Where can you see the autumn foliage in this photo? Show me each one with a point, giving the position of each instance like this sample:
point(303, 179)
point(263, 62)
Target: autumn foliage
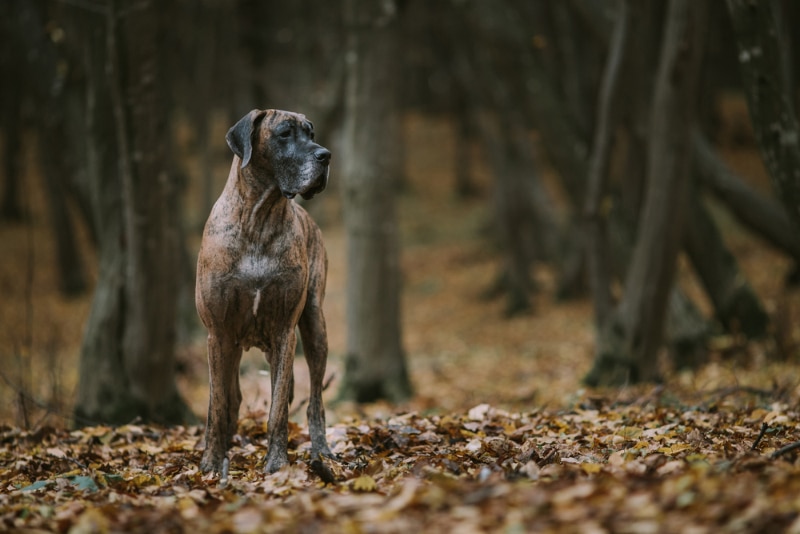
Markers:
point(646, 464)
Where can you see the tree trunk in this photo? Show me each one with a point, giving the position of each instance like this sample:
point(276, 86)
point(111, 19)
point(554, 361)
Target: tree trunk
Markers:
point(640, 68)
point(736, 305)
point(687, 331)
point(11, 208)
point(760, 213)
point(128, 359)
point(516, 188)
point(771, 108)
point(525, 220)
point(597, 181)
point(628, 345)
point(375, 365)
point(11, 68)
point(102, 389)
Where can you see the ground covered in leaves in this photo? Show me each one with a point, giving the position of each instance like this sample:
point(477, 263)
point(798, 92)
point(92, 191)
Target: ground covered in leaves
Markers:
point(500, 435)
point(645, 465)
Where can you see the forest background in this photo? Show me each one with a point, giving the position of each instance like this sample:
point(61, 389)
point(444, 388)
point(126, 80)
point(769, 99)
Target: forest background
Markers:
point(582, 220)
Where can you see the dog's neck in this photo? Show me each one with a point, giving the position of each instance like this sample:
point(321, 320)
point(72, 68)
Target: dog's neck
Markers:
point(256, 200)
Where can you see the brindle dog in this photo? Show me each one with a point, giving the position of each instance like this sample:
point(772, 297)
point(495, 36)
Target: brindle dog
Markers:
point(260, 273)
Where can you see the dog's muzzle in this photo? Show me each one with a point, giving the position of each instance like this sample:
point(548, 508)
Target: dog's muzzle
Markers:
point(318, 186)
point(320, 182)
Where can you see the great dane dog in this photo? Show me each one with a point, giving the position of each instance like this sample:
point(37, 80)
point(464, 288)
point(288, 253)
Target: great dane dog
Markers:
point(260, 274)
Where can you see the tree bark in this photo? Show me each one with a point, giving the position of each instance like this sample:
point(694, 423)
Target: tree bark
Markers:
point(11, 209)
point(771, 108)
point(102, 389)
point(760, 213)
point(628, 345)
point(640, 68)
point(128, 356)
point(12, 68)
point(375, 366)
point(736, 305)
point(597, 182)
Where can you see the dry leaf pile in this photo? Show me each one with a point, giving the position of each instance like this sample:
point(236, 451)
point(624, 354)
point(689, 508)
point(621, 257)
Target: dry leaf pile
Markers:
point(640, 467)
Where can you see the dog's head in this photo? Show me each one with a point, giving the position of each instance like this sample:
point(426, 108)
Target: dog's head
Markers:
point(280, 145)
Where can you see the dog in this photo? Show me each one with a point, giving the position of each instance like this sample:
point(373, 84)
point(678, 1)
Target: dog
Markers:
point(261, 274)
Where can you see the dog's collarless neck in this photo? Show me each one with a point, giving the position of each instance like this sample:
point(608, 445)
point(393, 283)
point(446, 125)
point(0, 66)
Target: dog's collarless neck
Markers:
point(257, 202)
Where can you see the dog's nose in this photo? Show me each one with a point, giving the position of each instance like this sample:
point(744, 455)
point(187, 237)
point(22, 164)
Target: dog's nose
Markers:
point(323, 155)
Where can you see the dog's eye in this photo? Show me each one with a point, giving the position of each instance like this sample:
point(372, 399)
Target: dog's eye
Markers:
point(285, 134)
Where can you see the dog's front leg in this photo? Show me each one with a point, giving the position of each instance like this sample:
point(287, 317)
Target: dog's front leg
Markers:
point(224, 399)
point(281, 368)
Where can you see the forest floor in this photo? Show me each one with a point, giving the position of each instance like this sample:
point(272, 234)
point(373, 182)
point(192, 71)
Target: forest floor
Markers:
point(500, 436)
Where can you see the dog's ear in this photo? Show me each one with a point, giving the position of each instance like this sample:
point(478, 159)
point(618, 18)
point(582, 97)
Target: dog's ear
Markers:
point(240, 136)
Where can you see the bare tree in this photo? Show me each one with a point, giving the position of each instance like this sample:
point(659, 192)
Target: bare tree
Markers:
point(759, 212)
point(596, 190)
point(736, 305)
point(375, 362)
point(127, 359)
point(628, 344)
point(766, 80)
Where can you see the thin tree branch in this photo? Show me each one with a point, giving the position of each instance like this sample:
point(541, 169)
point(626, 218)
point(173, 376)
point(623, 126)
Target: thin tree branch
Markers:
point(784, 450)
point(752, 208)
point(764, 427)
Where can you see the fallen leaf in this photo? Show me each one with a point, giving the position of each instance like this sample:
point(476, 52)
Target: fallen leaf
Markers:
point(364, 483)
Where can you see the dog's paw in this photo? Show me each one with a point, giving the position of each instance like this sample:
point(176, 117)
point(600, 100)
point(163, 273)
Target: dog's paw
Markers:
point(317, 453)
point(211, 462)
point(275, 461)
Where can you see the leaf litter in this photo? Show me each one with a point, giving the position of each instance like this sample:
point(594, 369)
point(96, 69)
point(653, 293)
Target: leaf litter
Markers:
point(601, 466)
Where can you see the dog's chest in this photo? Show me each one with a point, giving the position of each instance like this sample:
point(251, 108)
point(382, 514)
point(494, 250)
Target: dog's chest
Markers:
point(269, 293)
point(271, 279)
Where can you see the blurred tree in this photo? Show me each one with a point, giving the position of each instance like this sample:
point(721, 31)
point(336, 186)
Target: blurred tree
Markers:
point(375, 366)
point(12, 68)
point(628, 344)
point(43, 77)
point(488, 73)
point(735, 303)
point(757, 211)
point(597, 201)
point(128, 356)
point(767, 80)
